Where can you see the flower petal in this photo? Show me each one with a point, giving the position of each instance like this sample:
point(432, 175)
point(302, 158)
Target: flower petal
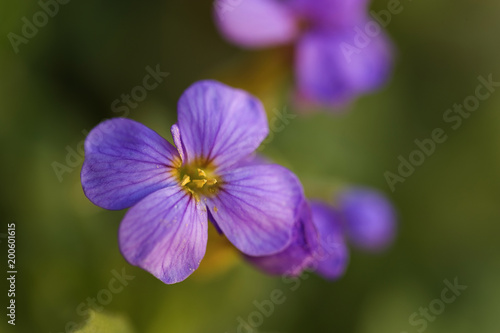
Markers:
point(124, 162)
point(332, 255)
point(165, 234)
point(296, 256)
point(176, 136)
point(255, 23)
point(257, 207)
point(369, 218)
point(332, 69)
point(330, 13)
point(220, 124)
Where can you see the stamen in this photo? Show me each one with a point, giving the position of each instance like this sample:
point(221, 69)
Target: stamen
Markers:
point(211, 182)
point(199, 182)
point(201, 173)
point(185, 180)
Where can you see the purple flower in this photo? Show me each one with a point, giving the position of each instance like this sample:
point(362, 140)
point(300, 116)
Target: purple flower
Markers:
point(362, 216)
point(173, 191)
point(339, 54)
point(318, 244)
point(298, 255)
point(332, 255)
point(369, 218)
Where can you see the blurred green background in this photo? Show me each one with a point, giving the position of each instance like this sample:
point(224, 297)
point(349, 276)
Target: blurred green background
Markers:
point(62, 82)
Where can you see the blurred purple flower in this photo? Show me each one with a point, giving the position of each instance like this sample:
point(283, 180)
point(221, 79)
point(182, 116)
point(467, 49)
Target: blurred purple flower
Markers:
point(335, 58)
point(362, 216)
point(318, 245)
point(332, 255)
point(369, 218)
point(298, 255)
point(174, 190)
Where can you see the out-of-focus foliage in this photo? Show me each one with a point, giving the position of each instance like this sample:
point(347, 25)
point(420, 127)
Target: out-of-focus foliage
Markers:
point(105, 323)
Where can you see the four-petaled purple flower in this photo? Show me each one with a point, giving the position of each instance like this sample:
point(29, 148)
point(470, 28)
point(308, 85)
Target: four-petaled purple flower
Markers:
point(335, 59)
point(208, 175)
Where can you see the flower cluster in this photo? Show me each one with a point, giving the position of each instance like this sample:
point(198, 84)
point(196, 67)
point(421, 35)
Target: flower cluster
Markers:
point(362, 217)
point(334, 59)
point(212, 175)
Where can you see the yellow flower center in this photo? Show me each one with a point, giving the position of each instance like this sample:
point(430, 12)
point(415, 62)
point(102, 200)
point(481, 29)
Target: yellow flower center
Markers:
point(199, 179)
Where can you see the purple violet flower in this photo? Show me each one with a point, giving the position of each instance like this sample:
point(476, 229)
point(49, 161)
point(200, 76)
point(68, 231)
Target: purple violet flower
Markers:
point(362, 216)
point(298, 255)
point(318, 245)
point(332, 256)
point(339, 52)
point(172, 191)
point(369, 218)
